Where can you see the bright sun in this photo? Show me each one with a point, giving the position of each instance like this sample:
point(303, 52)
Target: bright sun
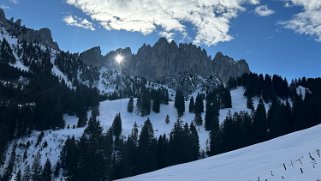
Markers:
point(119, 58)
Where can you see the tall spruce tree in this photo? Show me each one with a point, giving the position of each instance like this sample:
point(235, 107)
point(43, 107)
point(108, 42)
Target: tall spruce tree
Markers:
point(69, 158)
point(82, 120)
point(92, 158)
point(179, 103)
point(117, 126)
point(36, 167)
point(156, 101)
point(195, 142)
point(146, 149)
point(162, 151)
point(249, 102)
point(198, 119)
point(167, 120)
point(18, 176)
point(130, 152)
point(9, 169)
point(130, 106)
point(46, 174)
point(212, 112)
point(26, 174)
point(191, 105)
point(226, 98)
point(199, 104)
point(145, 102)
point(260, 122)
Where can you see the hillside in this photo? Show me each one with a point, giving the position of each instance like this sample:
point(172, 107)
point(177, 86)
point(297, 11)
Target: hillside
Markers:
point(108, 110)
point(253, 163)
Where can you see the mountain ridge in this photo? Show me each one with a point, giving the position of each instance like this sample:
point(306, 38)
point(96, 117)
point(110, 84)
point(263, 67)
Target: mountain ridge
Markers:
point(166, 59)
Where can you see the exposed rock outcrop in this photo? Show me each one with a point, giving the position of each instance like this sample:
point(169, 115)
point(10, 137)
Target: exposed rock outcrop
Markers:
point(166, 60)
point(226, 67)
point(41, 36)
point(92, 57)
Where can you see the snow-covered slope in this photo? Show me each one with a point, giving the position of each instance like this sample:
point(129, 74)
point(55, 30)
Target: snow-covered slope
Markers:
point(108, 111)
point(262, 161)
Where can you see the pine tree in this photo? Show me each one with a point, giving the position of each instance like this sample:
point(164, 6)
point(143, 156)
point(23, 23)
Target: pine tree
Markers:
point(146, 149)
point(179, 103)
point(18, 176)
point(259, 122)
point(215, 142)
point(57, 169)
point(167, 120)
point(199, 104)
point(195, 142)
point(82, 120)
point(92, 158)
point(156, 102)
point(212, 112)
point(162, 151)
point(226, 98)
point(191, 105)
point(46, 172)
point(26, 174)
point(36, 168)
point(9, 169)
point(144, 103)
point(166, 97)
point(198, 119)
point(69, 158)
point(249, 102)
point(130, 152)
point(117, 126)
point(130, 106)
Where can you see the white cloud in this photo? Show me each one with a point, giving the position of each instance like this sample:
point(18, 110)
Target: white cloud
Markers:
point(168, 35)
point(210, 18)
point(78, 22)
point(307, 22)
point(264, 10)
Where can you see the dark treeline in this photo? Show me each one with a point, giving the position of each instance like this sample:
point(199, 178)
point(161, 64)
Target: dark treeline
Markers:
point(283, 116)
point(107, 156)
point(265, 86)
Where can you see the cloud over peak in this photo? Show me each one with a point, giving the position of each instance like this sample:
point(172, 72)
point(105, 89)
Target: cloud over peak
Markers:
point(78, 22)
point(210, 19)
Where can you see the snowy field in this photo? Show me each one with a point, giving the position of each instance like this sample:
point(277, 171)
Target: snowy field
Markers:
point(263, 161)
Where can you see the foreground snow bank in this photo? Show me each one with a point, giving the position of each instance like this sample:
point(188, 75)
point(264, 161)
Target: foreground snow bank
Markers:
point(262, 161)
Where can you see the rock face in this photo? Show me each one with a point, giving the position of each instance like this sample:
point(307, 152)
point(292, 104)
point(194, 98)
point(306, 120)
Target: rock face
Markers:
point(166, 60)
point(2, 15)
point(225, 67)
point(92, 57)
point(42, 36)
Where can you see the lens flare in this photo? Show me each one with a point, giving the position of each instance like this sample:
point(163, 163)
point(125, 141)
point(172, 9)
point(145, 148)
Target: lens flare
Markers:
point(119, 58)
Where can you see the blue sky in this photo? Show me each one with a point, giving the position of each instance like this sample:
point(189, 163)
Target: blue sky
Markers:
point(275, 36)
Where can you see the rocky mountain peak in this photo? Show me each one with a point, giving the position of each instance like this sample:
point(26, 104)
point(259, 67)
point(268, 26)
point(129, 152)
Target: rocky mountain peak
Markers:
point(226, 67)
point(2, 15)
point(41, 36)
point(92, 57)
